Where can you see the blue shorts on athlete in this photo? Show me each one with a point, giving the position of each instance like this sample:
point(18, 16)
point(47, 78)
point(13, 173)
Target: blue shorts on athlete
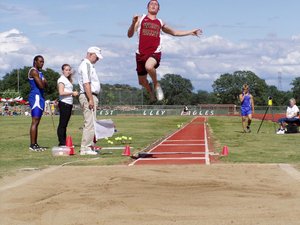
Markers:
point(246, 111)
point(37, 105)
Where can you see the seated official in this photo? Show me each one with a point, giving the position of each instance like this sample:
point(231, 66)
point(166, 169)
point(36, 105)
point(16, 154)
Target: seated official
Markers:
point(185, 109)
point(292, 113)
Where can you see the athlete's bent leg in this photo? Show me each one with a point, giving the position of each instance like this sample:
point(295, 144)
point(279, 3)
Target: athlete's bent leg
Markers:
point(249, 119)
point(144, 82)
point(150, 67)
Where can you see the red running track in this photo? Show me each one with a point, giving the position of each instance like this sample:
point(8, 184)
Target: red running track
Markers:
point(189, 145)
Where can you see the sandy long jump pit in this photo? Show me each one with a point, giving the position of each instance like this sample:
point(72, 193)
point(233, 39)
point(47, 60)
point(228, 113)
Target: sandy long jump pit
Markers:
point(213, 195)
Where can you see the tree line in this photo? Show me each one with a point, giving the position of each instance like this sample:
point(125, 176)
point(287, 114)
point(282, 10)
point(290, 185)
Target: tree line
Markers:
point(178, 90)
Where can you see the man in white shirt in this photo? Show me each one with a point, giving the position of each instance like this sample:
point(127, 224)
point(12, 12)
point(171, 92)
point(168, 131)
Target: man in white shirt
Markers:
point(292, 115)
point(89, 89)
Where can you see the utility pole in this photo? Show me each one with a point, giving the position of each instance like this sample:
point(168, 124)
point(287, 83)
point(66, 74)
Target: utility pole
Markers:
point(279, 80)
point(18, 76)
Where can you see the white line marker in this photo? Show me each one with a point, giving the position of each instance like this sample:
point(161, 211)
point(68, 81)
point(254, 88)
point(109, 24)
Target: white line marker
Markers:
point(29, 178)
point(185, 140)
point(174, 153)
point(181, 144)
point(160, 159)
point(207, 160)
point(291, 171)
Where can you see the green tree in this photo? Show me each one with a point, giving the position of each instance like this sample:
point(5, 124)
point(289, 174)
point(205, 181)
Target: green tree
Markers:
point(51, 91)
point(279, 97)
point(204, 97)
point(228, 87)
point(10, 82)
point(120, 94)
point(177, 90)
point(296, 88)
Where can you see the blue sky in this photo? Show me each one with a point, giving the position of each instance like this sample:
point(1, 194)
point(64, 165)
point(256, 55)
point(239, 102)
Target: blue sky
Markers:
point(262, 36)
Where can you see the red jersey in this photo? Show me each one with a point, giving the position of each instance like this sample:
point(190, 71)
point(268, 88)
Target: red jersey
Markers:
point(149, 36)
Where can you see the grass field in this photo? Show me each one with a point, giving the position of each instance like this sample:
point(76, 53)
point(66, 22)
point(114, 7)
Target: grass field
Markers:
point(14, 134)
point(265, 147)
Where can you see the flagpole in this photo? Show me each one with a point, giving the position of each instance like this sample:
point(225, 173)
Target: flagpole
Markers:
point(18, 75)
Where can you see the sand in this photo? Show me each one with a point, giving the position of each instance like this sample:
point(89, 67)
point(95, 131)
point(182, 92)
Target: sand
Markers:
point(211, 195)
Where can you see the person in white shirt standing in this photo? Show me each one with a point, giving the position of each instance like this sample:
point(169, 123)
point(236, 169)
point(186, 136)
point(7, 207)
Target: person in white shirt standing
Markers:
point(89, 90)
point(292, 115)
point(65, 104)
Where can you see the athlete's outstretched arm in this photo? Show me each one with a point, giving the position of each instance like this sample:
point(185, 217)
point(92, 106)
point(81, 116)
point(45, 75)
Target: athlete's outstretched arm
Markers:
point(171, 31)
point(133, 26)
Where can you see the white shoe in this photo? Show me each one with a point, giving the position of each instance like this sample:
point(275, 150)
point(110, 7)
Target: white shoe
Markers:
point(280, 131)
point(87, 151)
point(159, 93)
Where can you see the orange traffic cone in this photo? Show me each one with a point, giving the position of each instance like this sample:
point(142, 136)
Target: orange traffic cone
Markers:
point(69, 143)
point(225, 151)
point(126, 151)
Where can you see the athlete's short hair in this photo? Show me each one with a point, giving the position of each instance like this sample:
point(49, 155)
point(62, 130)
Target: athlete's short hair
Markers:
point(153, 1)
point(36, 58)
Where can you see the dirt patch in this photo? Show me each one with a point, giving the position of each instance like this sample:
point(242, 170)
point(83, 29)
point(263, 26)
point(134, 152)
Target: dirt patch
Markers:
point(216, 194)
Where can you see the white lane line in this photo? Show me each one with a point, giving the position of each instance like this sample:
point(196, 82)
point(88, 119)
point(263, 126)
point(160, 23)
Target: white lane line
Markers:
point(160, 159)
point(184, 140)
point(290, 170)
point(29, 178)
point(174, 153)
point(207, 160)
point(38, 174)
point(181, 144)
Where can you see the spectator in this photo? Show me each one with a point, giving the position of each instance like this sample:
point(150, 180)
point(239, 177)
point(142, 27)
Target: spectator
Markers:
point(65, 104)
point(292, 115)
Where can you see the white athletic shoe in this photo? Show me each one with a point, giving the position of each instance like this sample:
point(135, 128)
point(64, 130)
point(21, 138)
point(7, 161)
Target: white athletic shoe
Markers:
point(159, 93)
point(87, 151)
point(280, 131)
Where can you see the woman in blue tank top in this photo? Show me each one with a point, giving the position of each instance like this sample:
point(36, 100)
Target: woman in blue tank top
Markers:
point(247, 108)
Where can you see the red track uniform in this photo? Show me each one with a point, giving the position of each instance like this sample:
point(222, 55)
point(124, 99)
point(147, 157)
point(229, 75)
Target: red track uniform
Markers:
point(149, 43)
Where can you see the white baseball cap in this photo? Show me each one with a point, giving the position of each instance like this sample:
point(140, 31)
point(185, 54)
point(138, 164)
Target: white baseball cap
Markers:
point(95, 50)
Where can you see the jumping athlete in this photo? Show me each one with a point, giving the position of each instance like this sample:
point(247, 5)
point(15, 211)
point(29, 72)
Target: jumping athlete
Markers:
point(36, 100)
point(148, 54)
point(247, 108)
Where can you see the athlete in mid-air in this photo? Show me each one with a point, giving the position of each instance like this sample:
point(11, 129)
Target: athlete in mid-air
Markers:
point(148, 54)
point(36, 100)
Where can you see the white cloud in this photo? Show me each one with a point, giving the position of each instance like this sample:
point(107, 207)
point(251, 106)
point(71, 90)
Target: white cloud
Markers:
point(201, 60)
point(216, 55)
point(12, 41)
point(14, 49)
point(22, 13)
